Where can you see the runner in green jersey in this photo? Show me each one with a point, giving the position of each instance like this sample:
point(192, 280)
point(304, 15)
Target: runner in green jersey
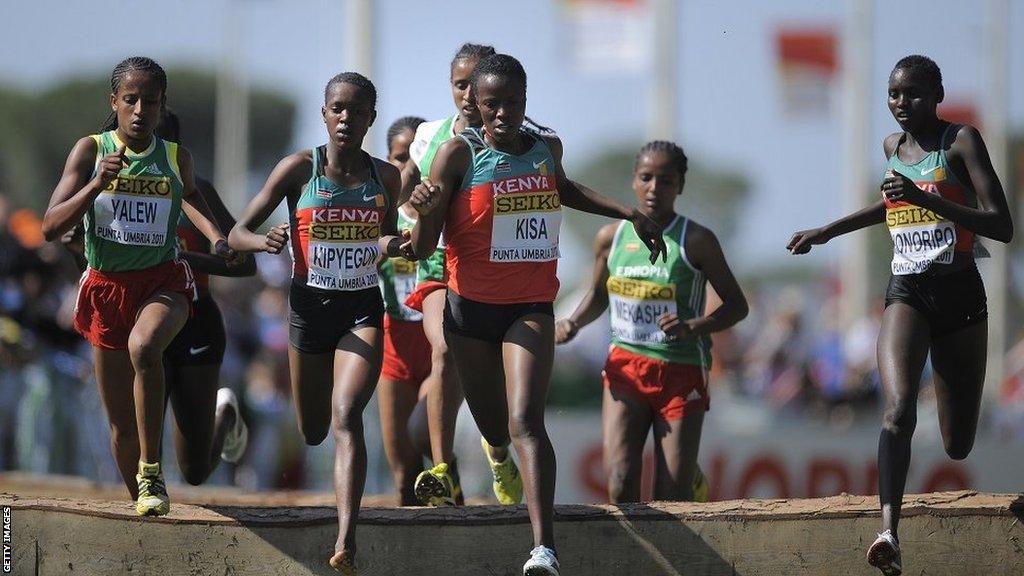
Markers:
point(443, 393)
point(656, 374)
point(129, 187)
point(343, 218)
point(406, 364)
point(939, 191)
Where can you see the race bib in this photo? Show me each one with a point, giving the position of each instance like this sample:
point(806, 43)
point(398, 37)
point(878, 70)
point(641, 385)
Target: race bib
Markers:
point(404, 273)
point(635, 306)
point(527, 219)
point(343, 248)
point(920, 238)
point(133, 210)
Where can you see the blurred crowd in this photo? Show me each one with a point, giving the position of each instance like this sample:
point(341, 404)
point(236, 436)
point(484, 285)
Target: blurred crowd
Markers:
point(791, 356)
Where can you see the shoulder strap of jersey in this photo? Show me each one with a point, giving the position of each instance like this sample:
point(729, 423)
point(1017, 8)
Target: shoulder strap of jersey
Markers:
point(374, 174)
point(318, 159)
point(474, 139)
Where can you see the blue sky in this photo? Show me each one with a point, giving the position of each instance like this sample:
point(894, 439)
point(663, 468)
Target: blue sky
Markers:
point(730, 112)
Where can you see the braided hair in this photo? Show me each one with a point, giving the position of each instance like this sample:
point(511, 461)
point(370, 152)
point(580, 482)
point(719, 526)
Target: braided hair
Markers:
point(355, 79)
point(121, 71)
point(925, 68)
point(671, 148)
point(402, 124)
point(473, 51)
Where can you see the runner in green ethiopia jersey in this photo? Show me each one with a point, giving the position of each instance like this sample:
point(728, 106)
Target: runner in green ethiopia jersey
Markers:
point(443, 394)
point(657, 369)
point(129, 186)
point(343, 218)
point(401, 395)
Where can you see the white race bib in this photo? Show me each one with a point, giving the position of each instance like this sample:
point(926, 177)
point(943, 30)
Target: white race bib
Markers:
point(635, 306)
point(134, 211)
point(920, 238)
point(343, 248)
point(527, 218)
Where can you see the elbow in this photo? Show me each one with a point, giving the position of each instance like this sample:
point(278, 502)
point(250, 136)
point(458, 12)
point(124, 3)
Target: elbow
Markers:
point(1007, 234)
point(233, 239)
point(742, 309)
point(51, 231)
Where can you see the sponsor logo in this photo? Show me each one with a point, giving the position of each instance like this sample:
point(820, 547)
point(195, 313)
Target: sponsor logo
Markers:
point(910, 215)
point(512, 203)
point(940, 173)
point(632, 246)
point(640, 289)
point(344, 232)
point(502, 167)
point(140, 185)
point(195, 351)
point(324, 194)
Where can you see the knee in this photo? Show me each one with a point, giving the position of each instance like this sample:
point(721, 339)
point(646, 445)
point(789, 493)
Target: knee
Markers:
point(347, 419)
point(900, 417)
point(526, 425)
point(123, 435)
point(313, 433)
point(145, 353)
point(958, 449)
point(194, 475)
point(619, 486)
point(439, 354)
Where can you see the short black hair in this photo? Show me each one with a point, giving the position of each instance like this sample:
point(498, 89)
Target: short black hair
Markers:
point(403, 123)
point(498, 65)
point(674, 151)
point(355, 79)
point(923, 66)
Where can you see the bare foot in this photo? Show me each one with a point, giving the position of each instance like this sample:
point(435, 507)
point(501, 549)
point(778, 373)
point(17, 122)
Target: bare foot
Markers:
point(344, 562)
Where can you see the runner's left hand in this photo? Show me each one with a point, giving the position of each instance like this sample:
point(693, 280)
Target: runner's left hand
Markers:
point(672, 326)
point(649, 233)
point(896, 188)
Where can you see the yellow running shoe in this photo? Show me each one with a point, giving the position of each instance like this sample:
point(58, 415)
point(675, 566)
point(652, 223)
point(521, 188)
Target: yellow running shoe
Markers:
point(434, 487)
point(508, 484)
point(701, 488)
point(153, 500)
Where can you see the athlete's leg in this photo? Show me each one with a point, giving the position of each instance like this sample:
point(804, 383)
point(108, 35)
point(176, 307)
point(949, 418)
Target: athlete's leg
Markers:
point(312, 382)
point(528, 350)
point(199, 428)
point(676, 444)
point(115, 378)
point(444, 394)
point(480, 369)
point(959, 363)
point(397, 400)
point(157, 323)
point(418, 427)
point(356, 369)
point(903, 342)
point(625, 421)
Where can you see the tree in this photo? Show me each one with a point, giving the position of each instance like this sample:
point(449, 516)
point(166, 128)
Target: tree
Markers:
point(37, 130)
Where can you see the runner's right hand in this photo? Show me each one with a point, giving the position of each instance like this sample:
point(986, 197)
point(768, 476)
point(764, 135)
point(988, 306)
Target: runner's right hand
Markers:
point(565, 330)
point(802, 241)
point(110, 166)
point(276, 238)
point(424, 197)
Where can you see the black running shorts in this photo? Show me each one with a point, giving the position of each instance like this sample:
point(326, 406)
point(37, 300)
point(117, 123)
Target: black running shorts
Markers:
point(950, 302)
point(318, 319)
point(202, 340)
point(485, 321)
